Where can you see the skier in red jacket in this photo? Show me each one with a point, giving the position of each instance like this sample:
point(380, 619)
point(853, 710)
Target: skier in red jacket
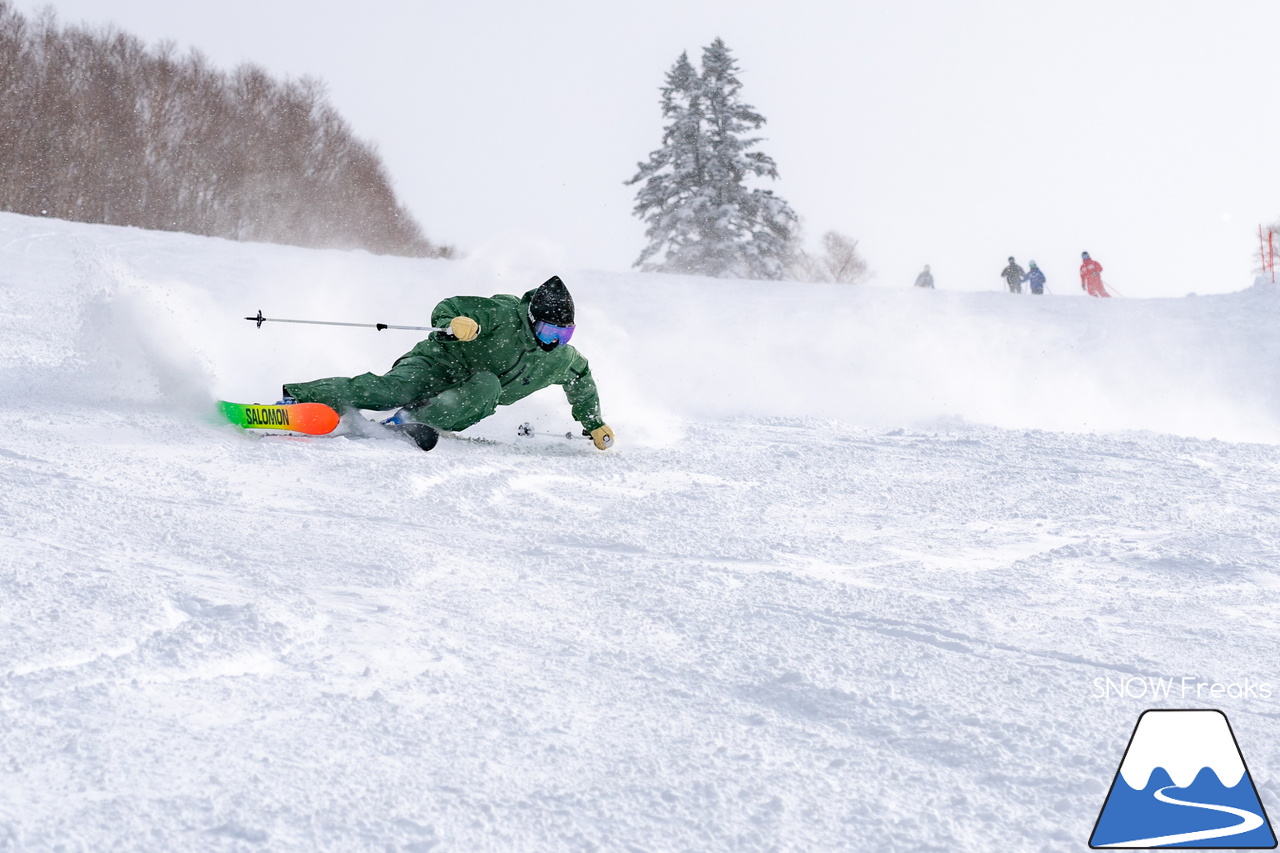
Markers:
point(1091, 277)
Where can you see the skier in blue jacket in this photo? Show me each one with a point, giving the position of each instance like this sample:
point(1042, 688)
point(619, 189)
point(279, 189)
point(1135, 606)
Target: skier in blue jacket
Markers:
point(1036, 277)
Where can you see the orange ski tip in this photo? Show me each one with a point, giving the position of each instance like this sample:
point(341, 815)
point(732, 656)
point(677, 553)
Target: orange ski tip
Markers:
point(316, 418)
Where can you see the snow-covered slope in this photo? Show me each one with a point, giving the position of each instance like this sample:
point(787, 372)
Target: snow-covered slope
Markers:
point(849, 580)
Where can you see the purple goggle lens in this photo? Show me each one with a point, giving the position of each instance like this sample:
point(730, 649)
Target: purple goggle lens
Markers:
point(550, 334)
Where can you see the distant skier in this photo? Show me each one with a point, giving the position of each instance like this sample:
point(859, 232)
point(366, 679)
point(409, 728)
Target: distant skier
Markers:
point(1091, 277)
point(925, 279)
point(1036, 277)
point(494, 352)
point(1013, 275)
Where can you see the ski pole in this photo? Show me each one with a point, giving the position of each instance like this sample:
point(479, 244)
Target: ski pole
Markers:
point(379, 326)
point(527, 430)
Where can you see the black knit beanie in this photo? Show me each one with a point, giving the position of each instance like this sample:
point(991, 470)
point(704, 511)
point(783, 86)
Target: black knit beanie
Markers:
point(552, 303)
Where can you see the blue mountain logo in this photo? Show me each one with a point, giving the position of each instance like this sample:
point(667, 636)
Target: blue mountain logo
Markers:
point(1183, 783)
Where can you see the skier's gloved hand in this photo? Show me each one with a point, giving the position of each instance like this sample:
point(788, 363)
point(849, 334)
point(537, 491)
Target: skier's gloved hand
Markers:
point(464, 328)
point(602, 436)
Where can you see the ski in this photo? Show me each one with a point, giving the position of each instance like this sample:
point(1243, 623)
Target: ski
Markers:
point(303, 418)
point(312, 419)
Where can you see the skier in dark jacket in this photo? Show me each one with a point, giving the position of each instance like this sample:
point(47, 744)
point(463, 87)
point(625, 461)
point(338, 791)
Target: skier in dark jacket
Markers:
point(1013, 275)
point(1036, 277)
point(925, 279)
point(493, 352)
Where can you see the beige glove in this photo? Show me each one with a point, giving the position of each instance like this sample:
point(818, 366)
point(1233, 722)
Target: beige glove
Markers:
point(464, 328)
point(603, 437)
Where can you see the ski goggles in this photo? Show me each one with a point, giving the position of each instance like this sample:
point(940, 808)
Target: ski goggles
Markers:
point(549, 334)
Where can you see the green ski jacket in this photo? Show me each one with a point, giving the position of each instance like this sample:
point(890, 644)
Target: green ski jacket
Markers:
point(505, 348)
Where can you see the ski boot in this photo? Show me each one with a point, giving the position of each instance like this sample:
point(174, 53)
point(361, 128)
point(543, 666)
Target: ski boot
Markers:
point(420, 434)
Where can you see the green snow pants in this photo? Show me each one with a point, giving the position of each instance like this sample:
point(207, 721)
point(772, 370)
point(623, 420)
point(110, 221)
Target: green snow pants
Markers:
point(415, 384)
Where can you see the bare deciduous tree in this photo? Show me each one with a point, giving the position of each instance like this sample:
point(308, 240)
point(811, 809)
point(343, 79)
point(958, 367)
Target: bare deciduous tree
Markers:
point(96, 127)
point(840, 262)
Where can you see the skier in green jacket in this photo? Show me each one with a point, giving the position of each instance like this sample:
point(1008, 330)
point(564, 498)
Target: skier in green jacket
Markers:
point(491, 352)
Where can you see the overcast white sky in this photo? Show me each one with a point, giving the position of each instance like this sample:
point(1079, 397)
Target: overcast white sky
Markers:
point(947, 133)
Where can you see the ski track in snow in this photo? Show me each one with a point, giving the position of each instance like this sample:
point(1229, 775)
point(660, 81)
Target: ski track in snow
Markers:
point(744, 632)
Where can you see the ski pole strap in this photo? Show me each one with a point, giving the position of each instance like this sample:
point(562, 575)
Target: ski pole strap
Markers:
point(259, 320)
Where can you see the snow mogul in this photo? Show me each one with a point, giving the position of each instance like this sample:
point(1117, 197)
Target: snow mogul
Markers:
point(1013, 276)
point(1091, 277)
point(489, 352)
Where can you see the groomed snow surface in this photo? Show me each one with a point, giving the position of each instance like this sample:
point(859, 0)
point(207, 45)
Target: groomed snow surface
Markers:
point(849, 579)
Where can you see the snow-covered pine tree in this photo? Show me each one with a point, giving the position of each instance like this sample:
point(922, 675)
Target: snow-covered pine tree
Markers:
point(669, 198)
point(701, 216)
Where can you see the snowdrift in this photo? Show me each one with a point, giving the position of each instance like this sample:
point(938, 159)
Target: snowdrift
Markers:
point(126, 317)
